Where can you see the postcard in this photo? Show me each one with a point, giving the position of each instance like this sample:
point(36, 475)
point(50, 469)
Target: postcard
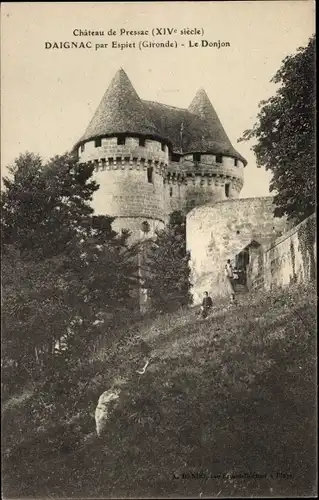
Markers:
point(158, 249)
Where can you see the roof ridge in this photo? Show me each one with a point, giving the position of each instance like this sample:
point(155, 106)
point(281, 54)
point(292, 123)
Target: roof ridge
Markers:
point(122, 111)
point(163, 104)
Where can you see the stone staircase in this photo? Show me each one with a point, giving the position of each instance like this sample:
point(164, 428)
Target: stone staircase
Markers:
point(240, 289)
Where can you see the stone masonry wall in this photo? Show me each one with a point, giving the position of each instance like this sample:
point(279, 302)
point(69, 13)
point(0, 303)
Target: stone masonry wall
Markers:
point(125, 192)
point(219, 231)
point(194, 191)
point(110, 148)
point(189, 184)
point(290, 259)
point(201, 190)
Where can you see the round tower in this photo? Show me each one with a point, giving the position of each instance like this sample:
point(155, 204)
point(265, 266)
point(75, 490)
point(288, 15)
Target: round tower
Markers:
point(204, 166)
point(130, 158)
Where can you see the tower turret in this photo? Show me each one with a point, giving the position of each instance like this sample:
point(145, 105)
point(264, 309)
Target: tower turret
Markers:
point(130, 157)
point(210, 168)
point(204, 167)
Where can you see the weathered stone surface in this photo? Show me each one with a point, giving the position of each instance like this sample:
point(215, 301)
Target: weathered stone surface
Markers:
point(125, 192)
point(217, 232)
point(292, 258)
point(107, 402)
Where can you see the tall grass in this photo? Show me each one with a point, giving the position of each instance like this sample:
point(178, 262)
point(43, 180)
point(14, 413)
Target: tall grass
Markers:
point(222, 400)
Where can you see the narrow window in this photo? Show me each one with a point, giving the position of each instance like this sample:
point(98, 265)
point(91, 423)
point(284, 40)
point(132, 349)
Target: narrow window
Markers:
point(227, 190)
point(163, 146)
point(111, 161)
point(196, 156)
point(236, 162)
point(98, 142)
point(82, 148)
point(171, 191)
point(150, 174)
point(121, 141)
point(141, 142)
point(219, 158)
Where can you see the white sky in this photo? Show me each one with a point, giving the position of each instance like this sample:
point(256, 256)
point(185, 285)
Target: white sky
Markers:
point(49, 96)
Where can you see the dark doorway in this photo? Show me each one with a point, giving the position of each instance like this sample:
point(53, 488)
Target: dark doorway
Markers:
point(242, 261)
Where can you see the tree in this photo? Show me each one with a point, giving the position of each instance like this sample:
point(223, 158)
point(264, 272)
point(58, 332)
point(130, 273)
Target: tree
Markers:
point(167, 267)
point(45, 207)
point(64, 267)
point(285, 135)
point(35, 307)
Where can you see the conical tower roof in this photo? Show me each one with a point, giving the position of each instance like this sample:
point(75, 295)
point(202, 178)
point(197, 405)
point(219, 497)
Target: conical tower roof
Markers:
point(210, 135)
point(120, 111)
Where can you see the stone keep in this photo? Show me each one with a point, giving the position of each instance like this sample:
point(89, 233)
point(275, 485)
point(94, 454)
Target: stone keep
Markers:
point(151, 159)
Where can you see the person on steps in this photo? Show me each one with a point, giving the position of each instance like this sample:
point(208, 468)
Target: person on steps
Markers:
point(229, 273)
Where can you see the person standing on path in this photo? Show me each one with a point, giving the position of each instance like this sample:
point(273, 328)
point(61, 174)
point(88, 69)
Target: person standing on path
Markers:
point(206, 306)
point(229, 274)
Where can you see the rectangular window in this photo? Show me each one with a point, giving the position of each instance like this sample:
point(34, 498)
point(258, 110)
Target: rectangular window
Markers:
point(82, 148)
point(121, 141)
point(227, 190)
point(196, 156)
point(163, 146)
point(98, 142)
point(150, 174)
point(236, 162)
point(171, 192)
point(219, 158)
point(141, 142)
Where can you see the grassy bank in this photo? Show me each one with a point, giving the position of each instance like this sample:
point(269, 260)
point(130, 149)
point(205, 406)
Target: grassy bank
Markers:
point(222, 400)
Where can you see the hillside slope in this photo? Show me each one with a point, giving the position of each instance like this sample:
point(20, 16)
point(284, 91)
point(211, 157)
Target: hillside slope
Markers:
point(226, 407)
